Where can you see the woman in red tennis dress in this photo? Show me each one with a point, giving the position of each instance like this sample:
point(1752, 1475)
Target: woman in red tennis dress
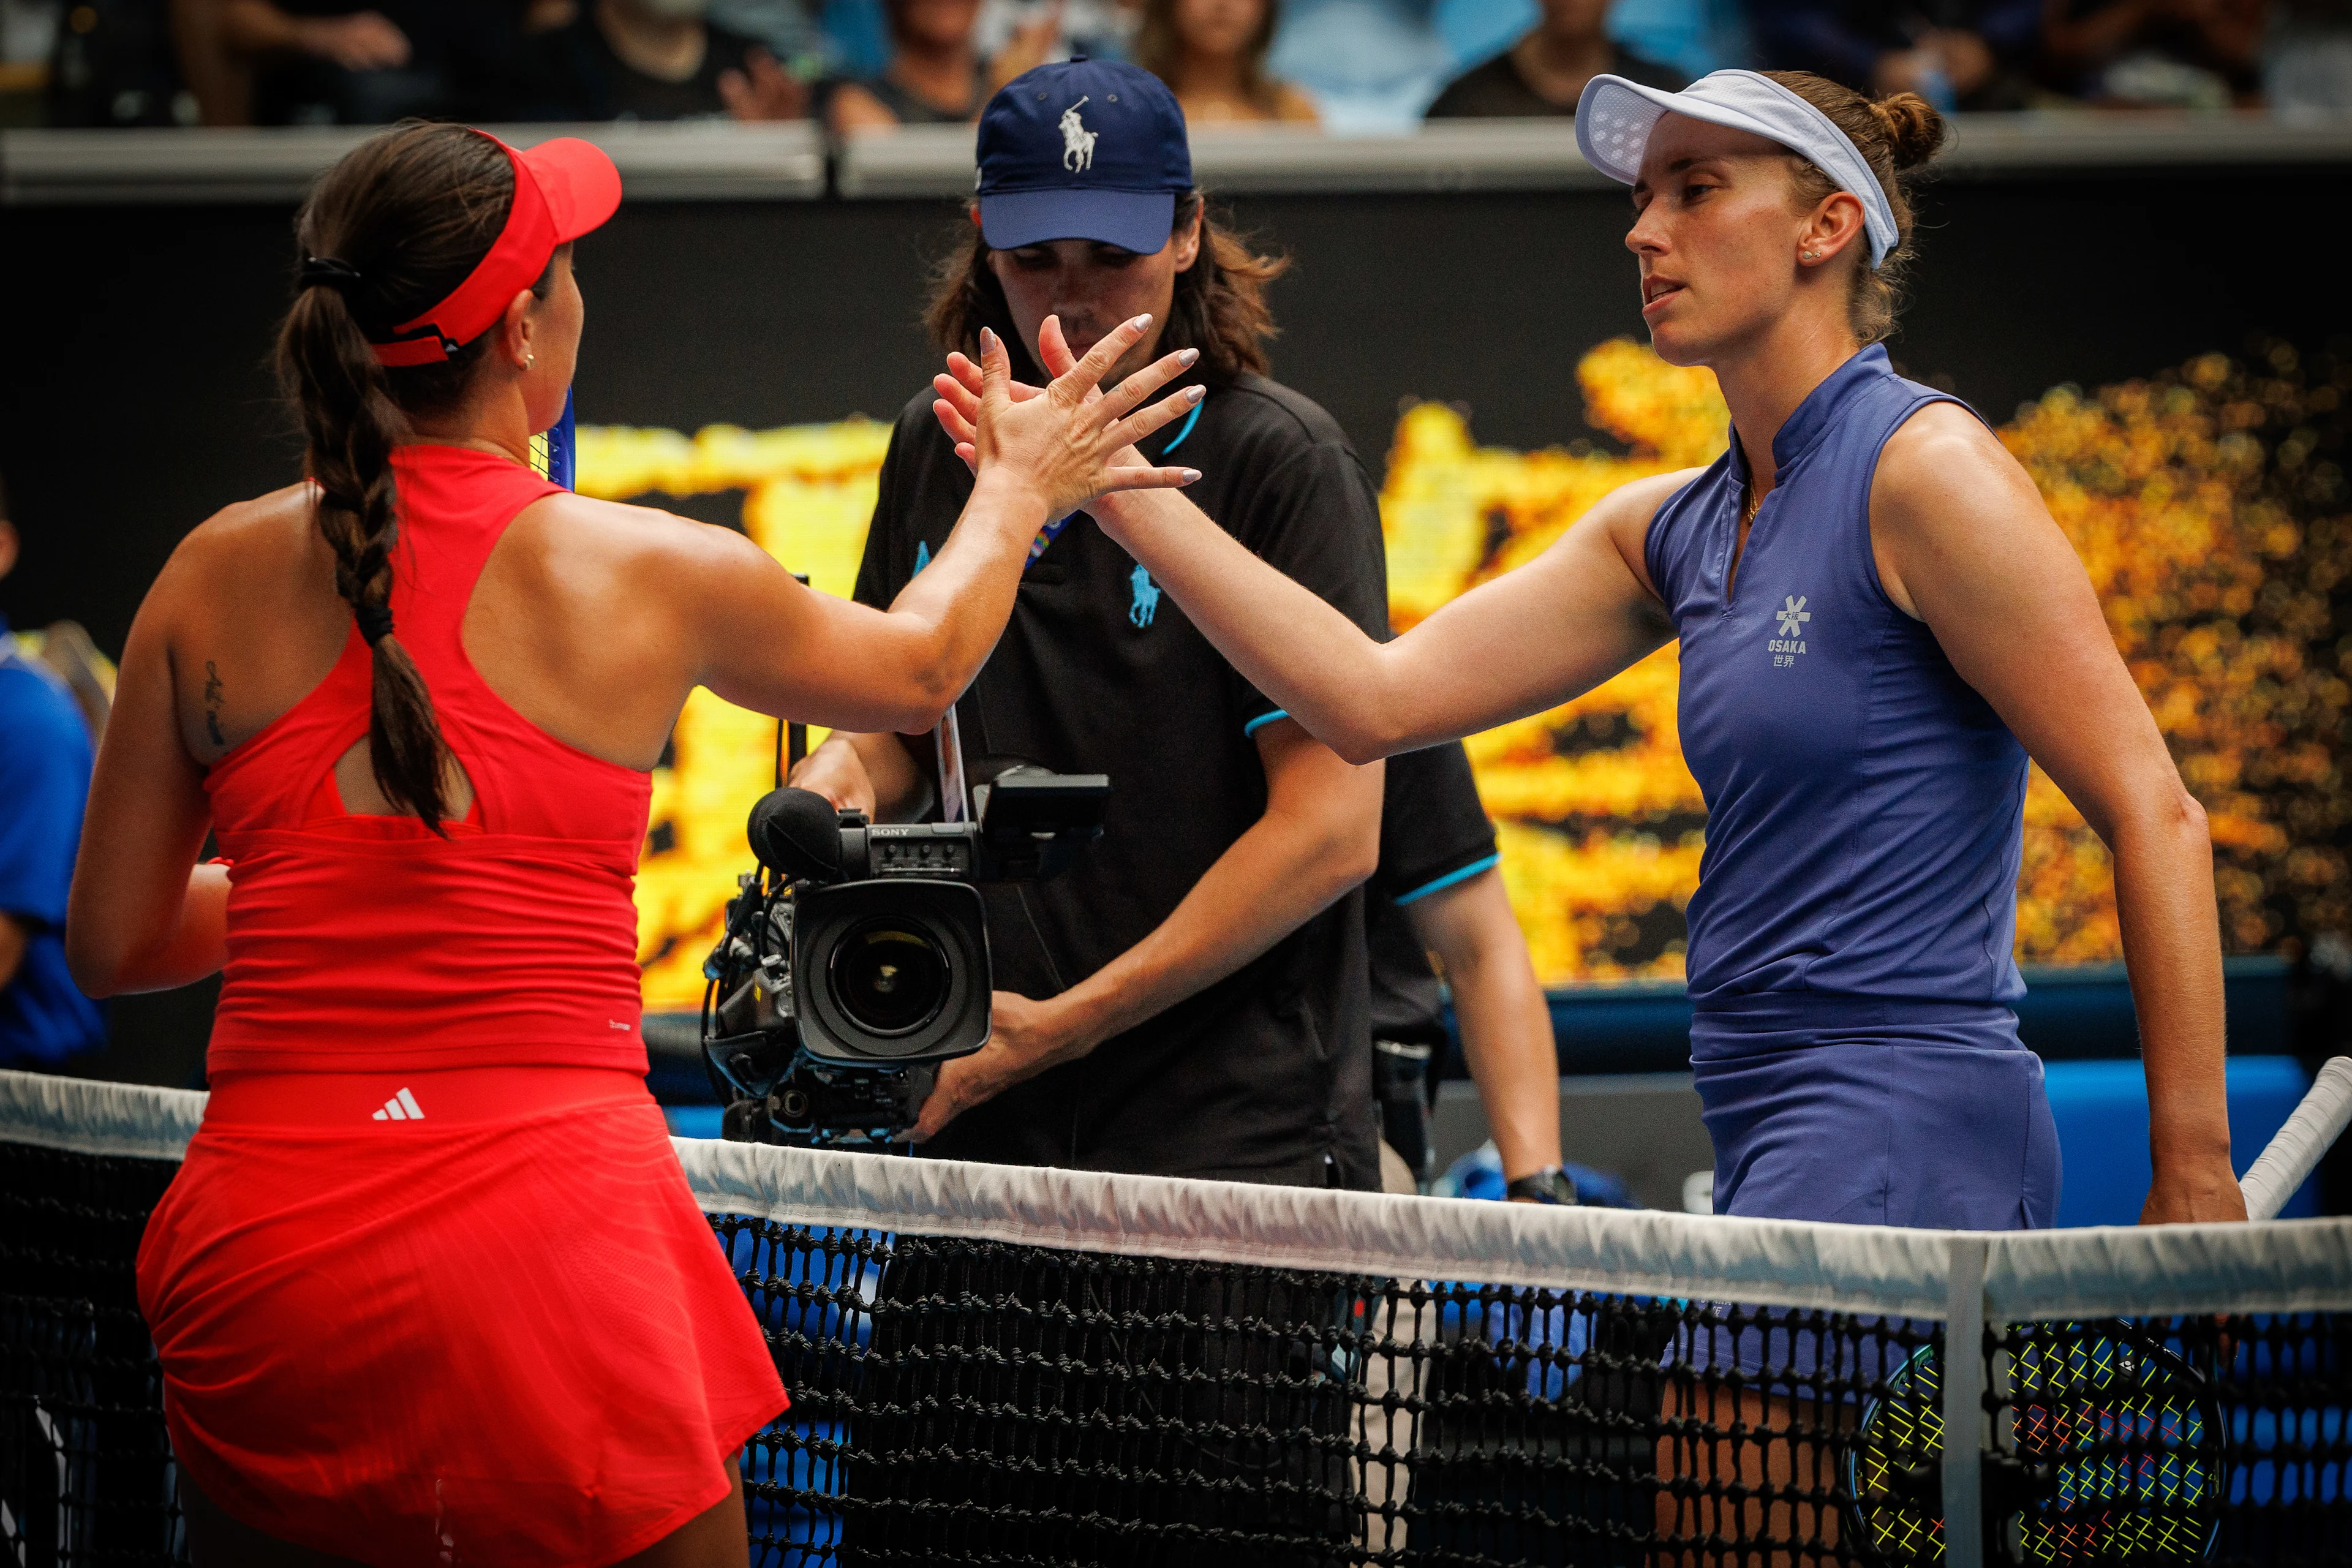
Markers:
point(430, 1288)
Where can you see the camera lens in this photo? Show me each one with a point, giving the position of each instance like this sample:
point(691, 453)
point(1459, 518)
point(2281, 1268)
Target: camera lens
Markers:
point(890, 979)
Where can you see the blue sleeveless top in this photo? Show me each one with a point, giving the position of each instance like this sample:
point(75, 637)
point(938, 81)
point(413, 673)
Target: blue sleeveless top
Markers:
point(1864, 803)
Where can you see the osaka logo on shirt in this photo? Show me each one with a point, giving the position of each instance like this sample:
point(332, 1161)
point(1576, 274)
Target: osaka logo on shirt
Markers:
point(1078, 142)
point(1792, 616)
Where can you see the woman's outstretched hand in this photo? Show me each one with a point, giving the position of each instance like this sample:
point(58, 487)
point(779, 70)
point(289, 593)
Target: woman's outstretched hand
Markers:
point(1064, 441)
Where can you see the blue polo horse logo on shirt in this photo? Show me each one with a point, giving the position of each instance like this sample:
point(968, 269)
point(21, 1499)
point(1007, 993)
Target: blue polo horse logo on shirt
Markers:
point(1147, 597)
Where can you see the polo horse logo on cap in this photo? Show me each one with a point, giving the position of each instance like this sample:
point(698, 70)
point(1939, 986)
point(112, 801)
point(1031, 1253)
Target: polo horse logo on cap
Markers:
point(1078, 142)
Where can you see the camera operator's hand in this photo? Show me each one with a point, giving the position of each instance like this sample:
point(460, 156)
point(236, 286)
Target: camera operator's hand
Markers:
point(1066, 441)
point(1025, 1037)
point(837, 772)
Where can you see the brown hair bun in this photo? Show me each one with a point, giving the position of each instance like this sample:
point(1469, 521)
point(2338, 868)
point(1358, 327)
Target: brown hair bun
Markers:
point(1914, 131)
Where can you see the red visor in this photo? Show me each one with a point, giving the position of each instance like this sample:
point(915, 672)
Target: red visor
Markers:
point(562, 189)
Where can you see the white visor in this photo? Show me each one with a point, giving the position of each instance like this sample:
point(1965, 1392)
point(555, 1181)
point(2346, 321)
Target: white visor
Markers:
point(1614, 119)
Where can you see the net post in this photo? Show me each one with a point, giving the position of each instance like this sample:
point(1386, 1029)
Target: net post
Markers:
point(1964, 1413)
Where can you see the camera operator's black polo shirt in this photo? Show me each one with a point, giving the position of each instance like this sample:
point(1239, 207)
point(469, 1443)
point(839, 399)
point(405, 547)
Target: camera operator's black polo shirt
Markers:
point(1265, 1075)
point(1433, 834)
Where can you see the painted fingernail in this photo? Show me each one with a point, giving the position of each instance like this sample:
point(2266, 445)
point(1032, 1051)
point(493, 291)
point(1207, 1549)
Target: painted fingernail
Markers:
point(1191, 476)
point(1195, 394)
point(987, 340)
point(1187, 356)
point(1141, 321)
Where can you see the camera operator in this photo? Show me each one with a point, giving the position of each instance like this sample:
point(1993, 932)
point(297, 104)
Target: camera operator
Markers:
point(1190, 1000)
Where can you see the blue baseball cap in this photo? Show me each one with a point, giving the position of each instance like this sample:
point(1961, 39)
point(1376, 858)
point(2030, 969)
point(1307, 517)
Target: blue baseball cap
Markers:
point(1082, 150)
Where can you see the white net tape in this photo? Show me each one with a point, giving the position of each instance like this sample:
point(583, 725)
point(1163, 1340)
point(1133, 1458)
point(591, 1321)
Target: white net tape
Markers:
point(2286, 1266)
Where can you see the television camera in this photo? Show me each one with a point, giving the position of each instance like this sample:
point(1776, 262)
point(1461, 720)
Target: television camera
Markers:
point(854, 959)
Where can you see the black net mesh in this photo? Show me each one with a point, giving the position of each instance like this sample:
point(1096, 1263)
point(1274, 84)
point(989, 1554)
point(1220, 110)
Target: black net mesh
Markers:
point(85, 1469)
point(972, 1402)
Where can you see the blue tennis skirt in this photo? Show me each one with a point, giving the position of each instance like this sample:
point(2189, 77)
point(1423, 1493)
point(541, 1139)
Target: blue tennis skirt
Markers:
point(1871, 1111)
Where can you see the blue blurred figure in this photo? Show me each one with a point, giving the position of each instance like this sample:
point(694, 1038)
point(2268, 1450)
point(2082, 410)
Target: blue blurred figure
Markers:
point(1378, 65)
point(1371, 65)
point(45, 761)
point(1955, 54)
point(1543, 72)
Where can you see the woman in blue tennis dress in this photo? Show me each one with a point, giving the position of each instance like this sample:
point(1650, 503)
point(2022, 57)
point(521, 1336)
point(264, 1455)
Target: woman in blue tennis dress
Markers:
point(1879, 620)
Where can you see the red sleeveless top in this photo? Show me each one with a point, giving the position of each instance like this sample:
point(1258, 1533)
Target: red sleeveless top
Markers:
point(359, 943)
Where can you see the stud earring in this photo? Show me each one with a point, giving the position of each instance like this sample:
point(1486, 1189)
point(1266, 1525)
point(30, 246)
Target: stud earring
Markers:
point(1812, 255)
point(529, 360)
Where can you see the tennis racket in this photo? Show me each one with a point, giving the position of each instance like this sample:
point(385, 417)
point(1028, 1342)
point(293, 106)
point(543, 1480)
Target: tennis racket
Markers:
point(2118, 1443)
point(2117, 1454)
point(551, 451)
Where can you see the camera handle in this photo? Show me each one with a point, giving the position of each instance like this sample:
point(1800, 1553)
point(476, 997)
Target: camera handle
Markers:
point(955, 805)
point(791, 740)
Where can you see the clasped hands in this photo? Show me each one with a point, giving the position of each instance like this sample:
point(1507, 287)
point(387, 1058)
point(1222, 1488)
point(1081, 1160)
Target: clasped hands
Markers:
point(963, 392)
point(1070, 442)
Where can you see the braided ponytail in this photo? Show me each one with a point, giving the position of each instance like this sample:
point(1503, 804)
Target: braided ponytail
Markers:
point(389, 230)
point(350, 426)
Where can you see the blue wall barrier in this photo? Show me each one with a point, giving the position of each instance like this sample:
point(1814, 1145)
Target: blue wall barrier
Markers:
point(2100, 1108)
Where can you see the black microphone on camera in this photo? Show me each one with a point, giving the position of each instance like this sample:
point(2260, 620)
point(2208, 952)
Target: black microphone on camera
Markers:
point(797, 832)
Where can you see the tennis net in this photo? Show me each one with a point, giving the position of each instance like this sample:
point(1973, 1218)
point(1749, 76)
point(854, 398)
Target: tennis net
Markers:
point(991, 1366)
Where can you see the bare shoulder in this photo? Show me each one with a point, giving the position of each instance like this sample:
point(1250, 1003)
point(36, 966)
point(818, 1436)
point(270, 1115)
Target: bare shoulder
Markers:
point(1949, 507)
point(589, 618)
point(616, 564)
point(243, 529)
point(247, 549)
point(1941, 456)
point(631, 538)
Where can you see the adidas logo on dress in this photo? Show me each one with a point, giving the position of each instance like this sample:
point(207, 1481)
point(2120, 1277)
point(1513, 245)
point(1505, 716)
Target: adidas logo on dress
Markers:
point(400, 1107)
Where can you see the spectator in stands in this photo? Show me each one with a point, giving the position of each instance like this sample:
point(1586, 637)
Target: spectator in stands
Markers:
point(2307, 74)
point(1372, 66)
point(71, 65)
point(1955, 54)
point(791, 29)
point(934, 77)
point(658, 60)
point(2182, 54)
point(279, 62)
point(1098, 30)
point(45, 756)
point(1545, 72)
point(1212, 54)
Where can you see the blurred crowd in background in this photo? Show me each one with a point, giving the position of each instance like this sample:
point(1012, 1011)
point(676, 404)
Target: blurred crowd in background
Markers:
point(1350, 66)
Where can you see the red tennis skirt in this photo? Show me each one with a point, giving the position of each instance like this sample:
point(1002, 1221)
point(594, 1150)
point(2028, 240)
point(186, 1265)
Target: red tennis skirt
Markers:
point(452, 1336)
